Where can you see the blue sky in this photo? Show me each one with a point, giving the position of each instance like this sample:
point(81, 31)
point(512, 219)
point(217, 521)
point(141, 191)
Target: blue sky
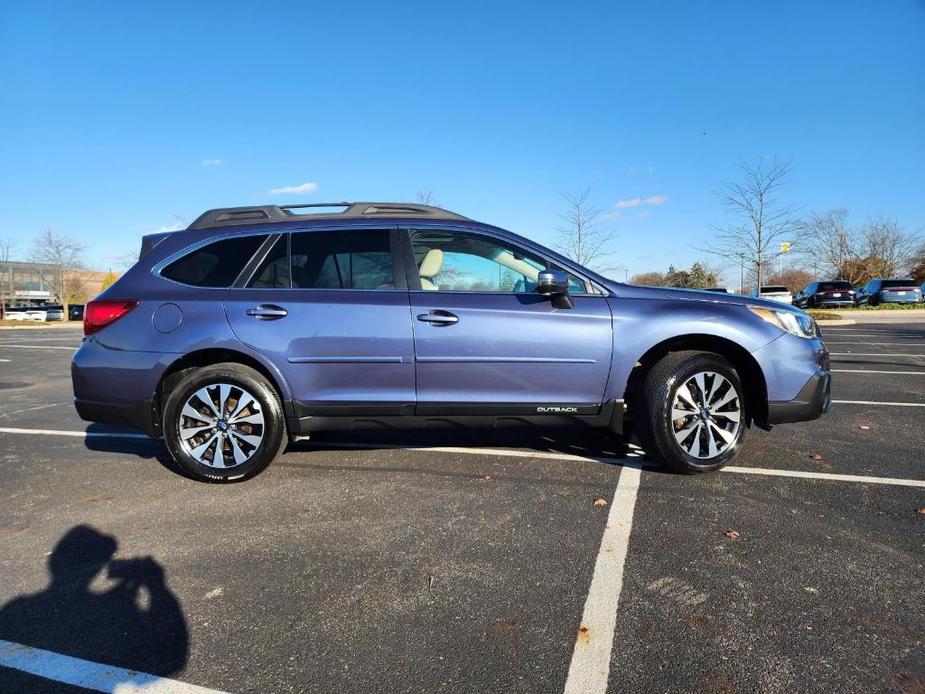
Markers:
point(117, 119)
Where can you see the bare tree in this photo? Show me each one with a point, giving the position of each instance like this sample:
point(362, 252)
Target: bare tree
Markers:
point(580, 236)
point(6, 280)
point(63, 257)
point(426, 197)
point(884, 239)
point(830, 243)
point(762, 222)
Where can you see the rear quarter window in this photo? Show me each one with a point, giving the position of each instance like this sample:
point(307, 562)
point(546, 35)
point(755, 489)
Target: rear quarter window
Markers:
point(216, 264)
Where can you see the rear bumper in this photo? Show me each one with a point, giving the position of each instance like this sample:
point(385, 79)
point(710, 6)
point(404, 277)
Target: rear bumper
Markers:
point(139, 415)
point(813, 400)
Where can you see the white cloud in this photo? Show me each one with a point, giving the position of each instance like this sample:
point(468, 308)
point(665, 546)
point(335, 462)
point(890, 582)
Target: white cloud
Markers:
point(642, 214)
point(610, 216)
point(632, 202)
point(636, 202)
point(211, 162)
point(301, 189)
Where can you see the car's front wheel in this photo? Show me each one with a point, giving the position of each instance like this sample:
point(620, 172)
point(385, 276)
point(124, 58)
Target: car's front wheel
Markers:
point(691, 415)
point(223, 422)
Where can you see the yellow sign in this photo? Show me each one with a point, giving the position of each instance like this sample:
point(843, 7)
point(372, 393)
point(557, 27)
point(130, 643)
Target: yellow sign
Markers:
point(785, 246)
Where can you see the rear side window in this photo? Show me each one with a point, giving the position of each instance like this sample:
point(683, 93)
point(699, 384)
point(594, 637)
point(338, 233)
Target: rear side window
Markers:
point(774, 289)
point(342, 260)
point(273, 272)
point(217, 264)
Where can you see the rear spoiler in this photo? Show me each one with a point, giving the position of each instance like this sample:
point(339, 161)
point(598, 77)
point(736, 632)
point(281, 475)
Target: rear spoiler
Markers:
point(150, 241)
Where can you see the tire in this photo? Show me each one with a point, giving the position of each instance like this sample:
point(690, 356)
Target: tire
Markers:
point(659, 431)
point(251, 434)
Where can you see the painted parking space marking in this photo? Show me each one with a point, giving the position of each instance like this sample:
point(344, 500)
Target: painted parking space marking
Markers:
point(589, 669)
point(885, 344)
point(873, 354)
point(76, 434)
point(71, 349)
point(879, 404)
point(871, 371)
point(830, 476)
point(88, 674)
point(505, 453)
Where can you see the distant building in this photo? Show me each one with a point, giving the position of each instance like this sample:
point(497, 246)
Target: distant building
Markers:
point(26, 284)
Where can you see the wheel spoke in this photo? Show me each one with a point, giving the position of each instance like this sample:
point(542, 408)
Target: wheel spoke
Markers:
point(711, 442)
point(239, 456)
point(256, 418)
point(218, 457)
point(247, 438)
point(733, 416)
point(700, 379)
point(727, 436)
point(191, 412)
point(201, 448)
point(189, 432)
point(729, 396)
point(243, 402)
point(681, 414)
point(204, 396)
point(224, 390)
point(694, 449)
point(685, 393)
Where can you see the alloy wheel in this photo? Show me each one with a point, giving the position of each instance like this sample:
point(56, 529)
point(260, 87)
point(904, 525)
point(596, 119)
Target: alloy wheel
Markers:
point(221, 425)
point(706, 415)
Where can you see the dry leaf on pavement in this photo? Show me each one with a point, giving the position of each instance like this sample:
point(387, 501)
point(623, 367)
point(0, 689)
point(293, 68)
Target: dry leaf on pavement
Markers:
point(733, 534)
point(600, 502)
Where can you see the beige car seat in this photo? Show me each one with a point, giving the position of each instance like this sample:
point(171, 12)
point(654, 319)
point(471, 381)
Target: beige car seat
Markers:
point(430, 267)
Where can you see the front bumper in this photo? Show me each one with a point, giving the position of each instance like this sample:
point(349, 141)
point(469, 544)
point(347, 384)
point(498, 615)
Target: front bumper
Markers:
point(813, 400)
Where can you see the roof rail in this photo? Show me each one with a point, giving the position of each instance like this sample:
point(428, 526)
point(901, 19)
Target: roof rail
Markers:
point(230, 216)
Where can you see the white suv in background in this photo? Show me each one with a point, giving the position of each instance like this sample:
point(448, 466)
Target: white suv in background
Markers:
point(775, 292)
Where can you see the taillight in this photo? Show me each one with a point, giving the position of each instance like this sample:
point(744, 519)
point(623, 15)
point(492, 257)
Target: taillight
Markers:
point(99, 314)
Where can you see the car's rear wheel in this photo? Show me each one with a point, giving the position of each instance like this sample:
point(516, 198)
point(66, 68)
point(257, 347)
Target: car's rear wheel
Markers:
point(692, 415)
point(223, 422)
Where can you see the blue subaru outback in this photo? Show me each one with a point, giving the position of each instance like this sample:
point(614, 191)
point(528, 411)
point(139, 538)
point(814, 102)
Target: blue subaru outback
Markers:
point(258, 324)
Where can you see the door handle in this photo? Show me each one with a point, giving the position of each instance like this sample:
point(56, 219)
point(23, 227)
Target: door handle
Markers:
point(438, 318)
point(267, 312)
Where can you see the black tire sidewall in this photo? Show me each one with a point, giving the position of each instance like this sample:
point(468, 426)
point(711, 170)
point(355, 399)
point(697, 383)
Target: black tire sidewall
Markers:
point(672, 450)
point(252, 381)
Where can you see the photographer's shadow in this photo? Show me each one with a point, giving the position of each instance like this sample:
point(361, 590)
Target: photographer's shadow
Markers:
point(128, 619)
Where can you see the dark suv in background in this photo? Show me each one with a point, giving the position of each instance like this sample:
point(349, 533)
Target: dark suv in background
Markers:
point(258, 324)
point(834, 293)
point(892, 291)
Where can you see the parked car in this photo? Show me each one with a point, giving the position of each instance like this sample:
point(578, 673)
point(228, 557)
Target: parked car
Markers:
point(54, 313)
point(257, 324)
point(718, 290)
point(75, 312)
point(15, 313)
point(774, 292)
point(835, 293)
point(37, 314)
point(892, 291)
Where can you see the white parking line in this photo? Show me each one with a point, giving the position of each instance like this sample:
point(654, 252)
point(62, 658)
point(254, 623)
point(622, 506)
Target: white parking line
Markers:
point(867, 371)
point(590, 667)
point(873, 354)
point(39, 347)
point(831, 476)
point(89, 675)
point(874, 402)
point(59, 432)
point(887, 344)
point(504, 453)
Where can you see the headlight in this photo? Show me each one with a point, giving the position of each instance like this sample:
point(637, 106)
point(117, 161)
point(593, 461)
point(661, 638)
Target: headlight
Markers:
point(798, 324)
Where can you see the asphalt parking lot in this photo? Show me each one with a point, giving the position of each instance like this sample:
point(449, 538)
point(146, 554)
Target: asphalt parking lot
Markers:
point(469, 562)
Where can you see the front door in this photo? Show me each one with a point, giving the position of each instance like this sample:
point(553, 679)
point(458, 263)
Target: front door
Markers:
point(487, 343)
point(330, 309)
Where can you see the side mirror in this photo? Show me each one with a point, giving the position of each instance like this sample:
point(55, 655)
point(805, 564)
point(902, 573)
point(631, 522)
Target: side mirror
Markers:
point(554, 284)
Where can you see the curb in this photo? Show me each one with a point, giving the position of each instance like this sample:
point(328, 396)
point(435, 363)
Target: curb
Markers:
point(840, 321)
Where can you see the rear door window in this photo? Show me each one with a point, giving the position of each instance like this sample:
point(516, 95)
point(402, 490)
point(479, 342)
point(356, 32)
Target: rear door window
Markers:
point(342, 260)
point(216, 264)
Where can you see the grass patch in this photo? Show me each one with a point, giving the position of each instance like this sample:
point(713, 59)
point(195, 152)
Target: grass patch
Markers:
point(819, 314)
point(889, 307)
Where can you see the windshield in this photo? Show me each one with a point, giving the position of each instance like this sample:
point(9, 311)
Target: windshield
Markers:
point(834, 286)
point(888, 284)
point(774, 290)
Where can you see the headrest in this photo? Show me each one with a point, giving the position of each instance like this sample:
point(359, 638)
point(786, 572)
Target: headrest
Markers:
point(432, 263)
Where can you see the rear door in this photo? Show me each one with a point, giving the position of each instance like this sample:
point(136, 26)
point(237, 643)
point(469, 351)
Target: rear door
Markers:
point(487, 343)
point(330, 309)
